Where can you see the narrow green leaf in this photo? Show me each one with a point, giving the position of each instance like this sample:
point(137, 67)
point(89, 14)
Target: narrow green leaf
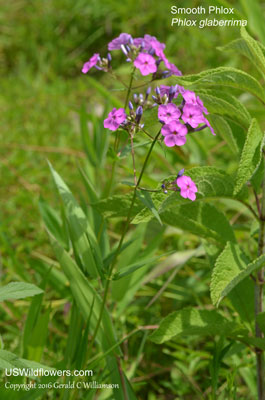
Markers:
point(18, 290)
point(224, 76)
point(135, 266)
point(255, 17)
point(241, 46)
point(85, 296)
point(82, 235)
point(201, 219)
point(9, 360)
point(231, 263)
point(255, 50)
point(225, 104)
point(32, 317)
point(250, 156)
point(83, 293)
point(257, 178)
point(136, 239)
point(117, 206)
point(148, 202)
point(211, 182)
point(191, 321)
point(38, 336)
point(223, 129)
point(53, 222)
point(253, 341)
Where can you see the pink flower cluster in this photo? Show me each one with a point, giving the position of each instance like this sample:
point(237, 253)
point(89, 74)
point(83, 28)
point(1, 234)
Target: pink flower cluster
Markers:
point(142, 51)
point(146, 62)
point(180, 111)
point(176, 119)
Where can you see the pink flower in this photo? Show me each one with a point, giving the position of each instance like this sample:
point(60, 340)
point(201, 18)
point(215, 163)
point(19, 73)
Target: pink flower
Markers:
point(201, 105)
point(168, 112)
point(175, 134)
point(116, 43)
point(187, 187)
point(138, 42)
point(145, 63)
point(191, 98)
point(90, 63)
point(171, 67)
point(151, 42)
point(192, 115)
point(115, 118)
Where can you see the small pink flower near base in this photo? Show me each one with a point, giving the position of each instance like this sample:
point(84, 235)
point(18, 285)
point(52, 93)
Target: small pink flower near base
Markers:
point(187, 187)
point(90, 63)
point(115, 118)
point(145, 63)
point(175, 134)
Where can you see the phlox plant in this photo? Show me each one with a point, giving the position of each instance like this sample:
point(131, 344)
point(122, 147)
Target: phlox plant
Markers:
point(167, 109)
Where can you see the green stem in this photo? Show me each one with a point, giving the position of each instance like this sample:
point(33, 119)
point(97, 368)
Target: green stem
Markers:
point(149, 190)
point(259, 300)
point(127, 223)
point(129, 88)
point(116, 145)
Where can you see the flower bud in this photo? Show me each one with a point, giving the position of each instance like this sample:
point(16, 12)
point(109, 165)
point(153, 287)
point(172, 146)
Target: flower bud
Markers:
point(166, 74)
point(171, 94)
point(148, 91)
point(157, 91)
point(130, 105)
point(181, 172)
point(165, 99)
point(109, 59)
point(124, 50)
point(139, 113)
